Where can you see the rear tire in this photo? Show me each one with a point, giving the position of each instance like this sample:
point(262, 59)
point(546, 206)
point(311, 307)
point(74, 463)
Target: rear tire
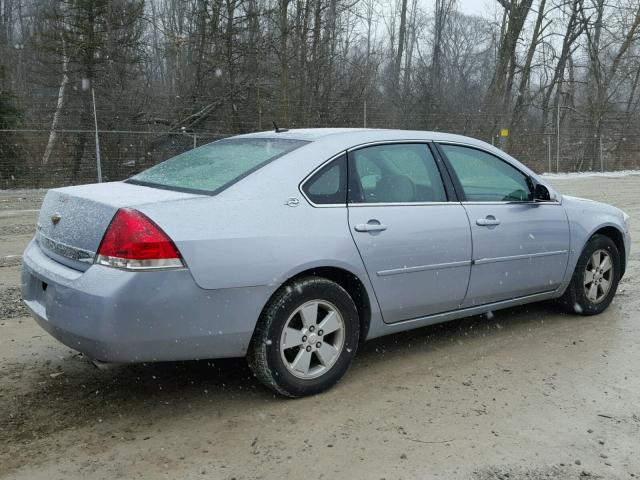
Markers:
point(306, 337)
point(595, 278)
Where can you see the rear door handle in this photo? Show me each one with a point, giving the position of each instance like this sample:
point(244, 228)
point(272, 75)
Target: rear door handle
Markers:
point(489, 221)
point(371, 226)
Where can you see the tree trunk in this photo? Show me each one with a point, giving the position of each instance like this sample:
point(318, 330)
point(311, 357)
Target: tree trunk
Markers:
point(572, 33)
point(53, 133)
point(499, 92)
point(284, 61)
point(443, 9)
point(525, 75)
point(400, 49)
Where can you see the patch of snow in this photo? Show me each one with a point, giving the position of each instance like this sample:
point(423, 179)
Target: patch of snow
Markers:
point(572, 175)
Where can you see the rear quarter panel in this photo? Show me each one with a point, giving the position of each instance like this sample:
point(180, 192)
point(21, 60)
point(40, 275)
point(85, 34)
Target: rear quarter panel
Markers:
point(240, 243)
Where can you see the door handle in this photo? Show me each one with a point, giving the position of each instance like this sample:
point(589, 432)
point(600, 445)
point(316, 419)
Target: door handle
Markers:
point(489, 221)
point(371, 226)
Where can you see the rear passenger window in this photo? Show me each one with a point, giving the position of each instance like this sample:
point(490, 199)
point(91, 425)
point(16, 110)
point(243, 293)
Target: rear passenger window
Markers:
point(329, 185)
point(395, 173)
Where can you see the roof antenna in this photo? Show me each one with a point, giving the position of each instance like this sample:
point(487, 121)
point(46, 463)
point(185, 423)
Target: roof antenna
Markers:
point(279, 130)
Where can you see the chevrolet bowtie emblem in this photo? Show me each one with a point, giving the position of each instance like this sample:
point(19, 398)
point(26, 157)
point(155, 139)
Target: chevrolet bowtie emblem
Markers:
point(55, 218)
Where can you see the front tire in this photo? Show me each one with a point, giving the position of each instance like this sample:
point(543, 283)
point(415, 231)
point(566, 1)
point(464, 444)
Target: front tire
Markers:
point(595, 278)
point(306, 337)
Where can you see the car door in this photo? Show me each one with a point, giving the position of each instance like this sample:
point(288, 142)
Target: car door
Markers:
point(415, 244)
point(520, 246)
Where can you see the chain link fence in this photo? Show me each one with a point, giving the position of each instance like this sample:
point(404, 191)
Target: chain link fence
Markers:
point(73, 159)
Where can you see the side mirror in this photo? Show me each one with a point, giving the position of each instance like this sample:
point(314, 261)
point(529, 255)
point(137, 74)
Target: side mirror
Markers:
point(541, 193)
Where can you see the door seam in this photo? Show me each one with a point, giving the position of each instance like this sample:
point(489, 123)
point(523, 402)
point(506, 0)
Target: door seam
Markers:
point(466, 292)
point(355, 244)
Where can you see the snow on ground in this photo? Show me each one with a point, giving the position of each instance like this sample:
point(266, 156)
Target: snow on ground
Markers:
point(571, 175)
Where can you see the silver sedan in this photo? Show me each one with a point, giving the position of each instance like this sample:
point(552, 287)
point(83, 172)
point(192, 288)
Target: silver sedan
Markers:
point(291, 247)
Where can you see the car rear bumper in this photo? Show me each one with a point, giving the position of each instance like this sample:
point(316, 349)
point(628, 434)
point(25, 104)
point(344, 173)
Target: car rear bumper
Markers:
point(120, 316)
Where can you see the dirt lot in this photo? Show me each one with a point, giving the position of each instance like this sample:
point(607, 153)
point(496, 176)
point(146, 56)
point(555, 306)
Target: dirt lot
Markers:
point(529, 393)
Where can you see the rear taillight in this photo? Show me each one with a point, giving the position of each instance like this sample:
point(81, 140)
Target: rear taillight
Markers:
point(134, 242)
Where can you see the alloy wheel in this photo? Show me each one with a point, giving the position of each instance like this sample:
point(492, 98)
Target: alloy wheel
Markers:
point(598, 276)
point(312, 339)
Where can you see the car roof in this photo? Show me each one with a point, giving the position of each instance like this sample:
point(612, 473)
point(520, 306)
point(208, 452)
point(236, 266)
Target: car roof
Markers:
point(309, 134)
point(355, 134)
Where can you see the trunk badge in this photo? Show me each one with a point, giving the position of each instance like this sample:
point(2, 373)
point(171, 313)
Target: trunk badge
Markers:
point(55, 218)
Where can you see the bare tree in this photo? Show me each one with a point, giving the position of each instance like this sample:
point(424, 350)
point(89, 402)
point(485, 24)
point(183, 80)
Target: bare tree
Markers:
point(499, 93)
point(401, 43)
point(573, 31)
point(442, 12)
point(602, 73)
point(205, 67)
point(525, 73)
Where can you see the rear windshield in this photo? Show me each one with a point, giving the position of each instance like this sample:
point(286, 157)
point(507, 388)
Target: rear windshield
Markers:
point(213, 167)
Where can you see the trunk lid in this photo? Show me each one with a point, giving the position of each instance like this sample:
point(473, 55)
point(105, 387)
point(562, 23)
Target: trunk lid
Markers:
point(73, 220)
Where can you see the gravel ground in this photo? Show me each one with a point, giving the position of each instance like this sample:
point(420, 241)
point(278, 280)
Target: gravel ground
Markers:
point(526, 393)
point(11, 305)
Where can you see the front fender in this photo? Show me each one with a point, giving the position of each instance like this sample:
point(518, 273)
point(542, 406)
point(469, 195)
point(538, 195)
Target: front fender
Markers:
point(586, 218)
